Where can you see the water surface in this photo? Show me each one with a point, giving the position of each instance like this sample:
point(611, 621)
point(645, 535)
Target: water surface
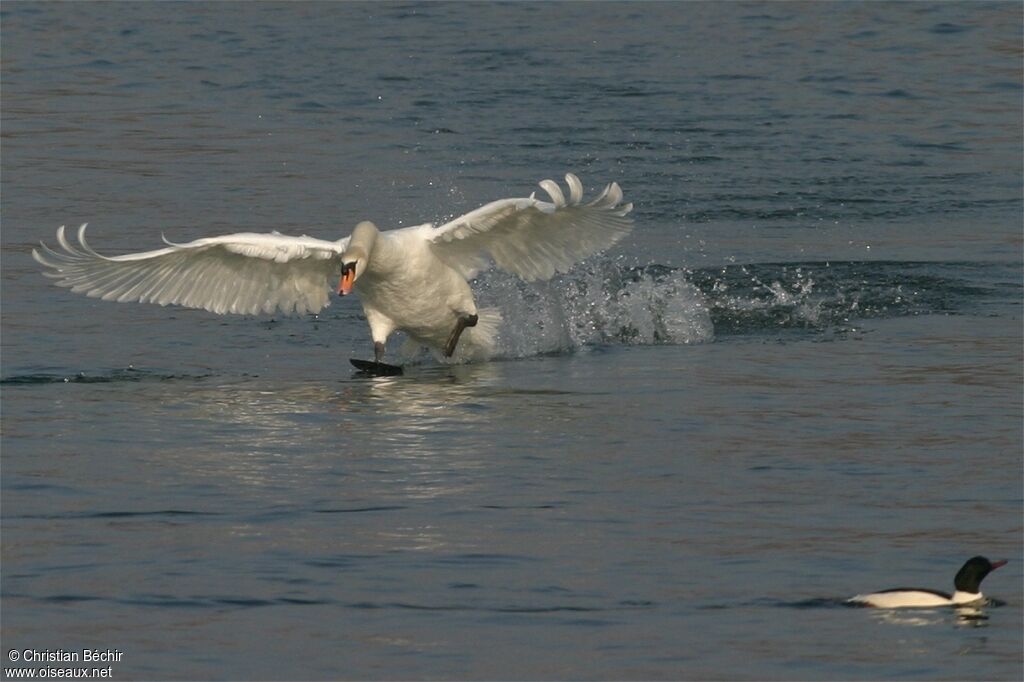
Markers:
point(798, 379)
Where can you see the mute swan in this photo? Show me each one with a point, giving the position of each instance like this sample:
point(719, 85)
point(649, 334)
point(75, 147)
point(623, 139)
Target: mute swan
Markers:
point(412, 279)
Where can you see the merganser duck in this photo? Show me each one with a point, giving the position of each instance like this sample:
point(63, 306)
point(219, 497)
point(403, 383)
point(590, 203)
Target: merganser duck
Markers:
point(967, 583)
point(412, 279)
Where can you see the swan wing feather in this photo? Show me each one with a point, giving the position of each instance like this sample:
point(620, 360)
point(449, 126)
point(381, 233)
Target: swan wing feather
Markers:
point(531, 238)
point(244, 273)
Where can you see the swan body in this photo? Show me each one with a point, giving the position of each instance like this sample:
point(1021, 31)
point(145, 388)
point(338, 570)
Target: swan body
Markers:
point(967, 583)
point(412, 279)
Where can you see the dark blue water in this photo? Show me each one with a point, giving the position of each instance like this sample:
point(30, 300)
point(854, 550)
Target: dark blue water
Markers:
point(798, 379)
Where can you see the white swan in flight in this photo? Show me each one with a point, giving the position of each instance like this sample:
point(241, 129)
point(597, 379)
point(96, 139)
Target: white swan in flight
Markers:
point(412, 279)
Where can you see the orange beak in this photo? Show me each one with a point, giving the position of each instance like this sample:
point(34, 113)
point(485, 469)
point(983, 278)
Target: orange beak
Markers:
point(348, 278)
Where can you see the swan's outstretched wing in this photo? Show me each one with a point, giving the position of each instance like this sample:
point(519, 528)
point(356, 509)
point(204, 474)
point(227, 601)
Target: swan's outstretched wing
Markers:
point(242, 273)
point(534, 239)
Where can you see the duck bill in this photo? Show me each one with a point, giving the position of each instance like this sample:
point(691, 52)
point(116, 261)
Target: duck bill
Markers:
point(348, 278)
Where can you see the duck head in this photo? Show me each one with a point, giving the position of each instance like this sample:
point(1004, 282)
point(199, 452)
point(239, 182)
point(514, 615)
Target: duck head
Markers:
point(356, 256)
point(969, 578)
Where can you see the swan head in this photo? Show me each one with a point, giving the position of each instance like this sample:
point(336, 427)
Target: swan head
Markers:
point(356, 256)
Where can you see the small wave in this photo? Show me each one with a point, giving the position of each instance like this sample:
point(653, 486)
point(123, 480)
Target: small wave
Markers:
point(162, 513)
point(359, 510)
point(818, 603)
point(946, 28)
point(69, 598)
point(118, 375)
point(505, 608)
point(197, 602)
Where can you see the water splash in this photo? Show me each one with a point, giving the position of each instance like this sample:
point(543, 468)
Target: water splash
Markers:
point(600, 303)
point(607, 303)
point(831, 297)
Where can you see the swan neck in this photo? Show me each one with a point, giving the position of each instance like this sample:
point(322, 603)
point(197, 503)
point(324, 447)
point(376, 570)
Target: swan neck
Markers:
point(364, 237)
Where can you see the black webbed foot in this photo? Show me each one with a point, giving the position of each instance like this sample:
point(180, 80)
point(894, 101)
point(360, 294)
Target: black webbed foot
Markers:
point(376, 369)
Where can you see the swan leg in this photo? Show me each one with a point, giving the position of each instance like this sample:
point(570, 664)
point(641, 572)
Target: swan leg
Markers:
point(381, 327)
point(461, 322)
